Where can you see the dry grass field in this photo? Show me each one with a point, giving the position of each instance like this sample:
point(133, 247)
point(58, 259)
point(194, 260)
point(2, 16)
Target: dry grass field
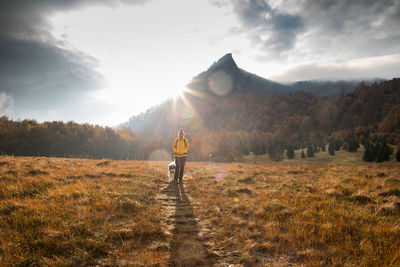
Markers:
point(301, 214)
point(80, 212)
point(77, 212)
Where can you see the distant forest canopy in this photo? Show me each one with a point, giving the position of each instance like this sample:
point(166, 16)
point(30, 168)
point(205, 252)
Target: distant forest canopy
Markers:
point(59, 139)
point(225, 127)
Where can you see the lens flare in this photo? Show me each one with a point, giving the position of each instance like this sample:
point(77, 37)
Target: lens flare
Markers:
point(220, 175)
point(220, 83)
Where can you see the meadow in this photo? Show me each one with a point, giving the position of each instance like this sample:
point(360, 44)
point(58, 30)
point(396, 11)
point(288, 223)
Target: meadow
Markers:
point(81, 212)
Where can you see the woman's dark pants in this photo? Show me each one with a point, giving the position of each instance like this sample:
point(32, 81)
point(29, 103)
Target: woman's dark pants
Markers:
point(180, 166)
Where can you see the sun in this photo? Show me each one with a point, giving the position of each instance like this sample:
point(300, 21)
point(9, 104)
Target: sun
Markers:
point(179, 92)
point(175, 87)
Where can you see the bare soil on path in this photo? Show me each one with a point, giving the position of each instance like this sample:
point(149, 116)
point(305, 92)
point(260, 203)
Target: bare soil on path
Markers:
point(189, 235)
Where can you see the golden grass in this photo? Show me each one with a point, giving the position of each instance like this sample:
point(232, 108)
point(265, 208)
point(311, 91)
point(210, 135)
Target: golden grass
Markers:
point(303, 214)
point(78, 212)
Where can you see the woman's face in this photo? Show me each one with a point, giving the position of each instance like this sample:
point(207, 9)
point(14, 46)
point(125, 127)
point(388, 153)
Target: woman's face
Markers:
point(181, 135)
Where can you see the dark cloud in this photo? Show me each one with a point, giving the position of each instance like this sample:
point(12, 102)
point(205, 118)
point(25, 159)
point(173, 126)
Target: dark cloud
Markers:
point(358, 28)
point(38, 72)
point(269, 29)
point(338, 29)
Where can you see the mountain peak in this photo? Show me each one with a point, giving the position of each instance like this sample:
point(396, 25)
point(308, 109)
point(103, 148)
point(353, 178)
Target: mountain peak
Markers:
point(224, 63)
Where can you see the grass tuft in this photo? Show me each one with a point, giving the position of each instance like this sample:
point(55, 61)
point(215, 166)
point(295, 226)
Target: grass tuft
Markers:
point(392, 192)
point(35, 172)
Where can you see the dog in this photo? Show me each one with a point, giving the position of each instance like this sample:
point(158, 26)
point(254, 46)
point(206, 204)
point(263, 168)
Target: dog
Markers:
point(171, 170)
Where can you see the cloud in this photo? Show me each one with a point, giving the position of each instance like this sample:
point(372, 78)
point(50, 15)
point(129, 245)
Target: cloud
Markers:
point(319, 30)
point(219, 3)
point(351, 29)
point(269, 29)
point(39, 72)
point(385, 67)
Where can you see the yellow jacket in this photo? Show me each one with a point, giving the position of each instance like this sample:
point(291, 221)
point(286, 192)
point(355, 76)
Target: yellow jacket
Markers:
point(181, 147)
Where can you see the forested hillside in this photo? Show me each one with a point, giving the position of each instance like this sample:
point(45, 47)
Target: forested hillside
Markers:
point(242, 122)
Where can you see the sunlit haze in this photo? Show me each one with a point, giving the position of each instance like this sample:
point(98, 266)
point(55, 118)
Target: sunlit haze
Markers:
point(103, 63)
point(146, 53)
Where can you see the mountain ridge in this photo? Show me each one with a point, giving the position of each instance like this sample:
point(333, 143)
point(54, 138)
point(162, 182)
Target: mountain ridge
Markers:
point(245, 81)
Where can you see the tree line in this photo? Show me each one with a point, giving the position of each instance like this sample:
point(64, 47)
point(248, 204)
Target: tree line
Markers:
point(59, 139)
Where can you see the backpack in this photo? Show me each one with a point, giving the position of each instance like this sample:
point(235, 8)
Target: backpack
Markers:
point(184, 141)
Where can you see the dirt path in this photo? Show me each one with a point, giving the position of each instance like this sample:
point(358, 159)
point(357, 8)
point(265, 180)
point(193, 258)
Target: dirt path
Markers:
point(188, 235)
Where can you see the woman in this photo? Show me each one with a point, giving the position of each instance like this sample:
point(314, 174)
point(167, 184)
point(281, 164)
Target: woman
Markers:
point(181, 147)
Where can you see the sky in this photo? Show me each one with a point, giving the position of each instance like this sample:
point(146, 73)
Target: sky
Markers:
point(103, 61)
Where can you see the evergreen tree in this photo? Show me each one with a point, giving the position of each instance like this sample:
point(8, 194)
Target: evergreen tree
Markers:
point(353, 144)
point(290, 152)
point(338, 144)
point(310, 150)
point(302, 154)
point(383, 151)
point(319, 143)
point(331, 147)
point(369, 152)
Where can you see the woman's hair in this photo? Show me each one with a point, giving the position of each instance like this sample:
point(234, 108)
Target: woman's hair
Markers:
point(181, 131)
